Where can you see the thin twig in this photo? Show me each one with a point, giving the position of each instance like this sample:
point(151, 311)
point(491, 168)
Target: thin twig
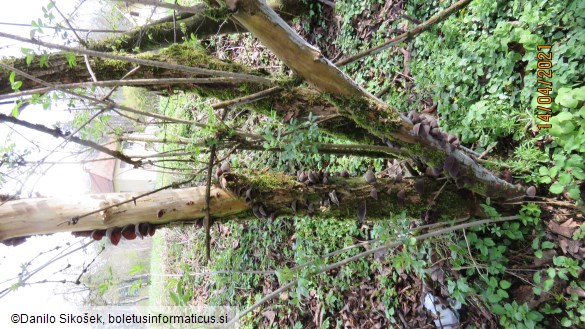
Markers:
point(207, 220)
point(248, 99)
point(58, 133)
point(81, 41)
point(133, 82)
point(194, 9)
point(328, 3)
point(132, 71)
point(472, 258)
point(65, 28)
point(111, 104)
point(4, 292)
point(486, 151)
point(440, 190)
point(77, 281)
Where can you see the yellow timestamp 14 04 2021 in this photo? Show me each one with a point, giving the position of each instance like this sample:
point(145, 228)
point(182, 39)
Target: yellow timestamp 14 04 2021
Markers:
point(544, 87)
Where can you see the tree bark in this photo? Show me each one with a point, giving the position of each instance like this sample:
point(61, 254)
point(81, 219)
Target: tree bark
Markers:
point(294, 102)
point(269, 195)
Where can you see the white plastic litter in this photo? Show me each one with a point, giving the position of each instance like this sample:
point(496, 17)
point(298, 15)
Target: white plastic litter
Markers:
point(447, 318)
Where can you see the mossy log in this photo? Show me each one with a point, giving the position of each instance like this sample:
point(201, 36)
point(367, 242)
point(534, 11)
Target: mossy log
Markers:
point(274, 192)
point(61, 68)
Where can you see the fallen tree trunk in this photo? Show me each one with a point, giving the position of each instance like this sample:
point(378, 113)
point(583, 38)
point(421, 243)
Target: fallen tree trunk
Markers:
point(265, 195)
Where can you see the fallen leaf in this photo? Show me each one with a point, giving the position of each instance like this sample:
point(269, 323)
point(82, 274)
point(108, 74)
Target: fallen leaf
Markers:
point(270, 315)
point(565, 229)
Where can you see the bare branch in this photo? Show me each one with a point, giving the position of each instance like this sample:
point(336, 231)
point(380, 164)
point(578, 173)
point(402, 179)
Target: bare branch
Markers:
point(134, 82)
point(207, 221)
point(197, 9)
point(65, 28)
point(57, 133)
point(81, 41)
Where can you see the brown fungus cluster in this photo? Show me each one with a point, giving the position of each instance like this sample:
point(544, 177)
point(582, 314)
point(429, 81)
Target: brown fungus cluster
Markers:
point(426, 126)
point(313, 177)
point(15, 241)
point(115, 234)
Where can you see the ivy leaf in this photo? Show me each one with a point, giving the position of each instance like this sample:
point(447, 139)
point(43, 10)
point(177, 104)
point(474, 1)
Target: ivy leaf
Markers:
point(29, 58)
point(574, 192)
point(498, 309)
point(562, 274)
point(564, 116)
point(561, 127)
point(578, 173)
point(582, 112)
point(504, 284)
point(71, 61)
point(565, 179)
point(502, 293)
point(565, 322)
point(536, 277)
point(535, 243)
point(565, 98)
point(556, 188)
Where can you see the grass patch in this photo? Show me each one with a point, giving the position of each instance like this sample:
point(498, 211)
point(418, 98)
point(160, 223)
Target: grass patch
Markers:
point(156, 289)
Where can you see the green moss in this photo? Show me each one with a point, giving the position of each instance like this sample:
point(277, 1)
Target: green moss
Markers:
point(225, 92)
point(197, 57)
point(346, 130)
point(430, 156)
point(107, 67)
point(378, 119)
point(267, 182)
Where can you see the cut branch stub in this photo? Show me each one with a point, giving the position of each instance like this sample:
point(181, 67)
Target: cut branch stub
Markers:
point(25, 217)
